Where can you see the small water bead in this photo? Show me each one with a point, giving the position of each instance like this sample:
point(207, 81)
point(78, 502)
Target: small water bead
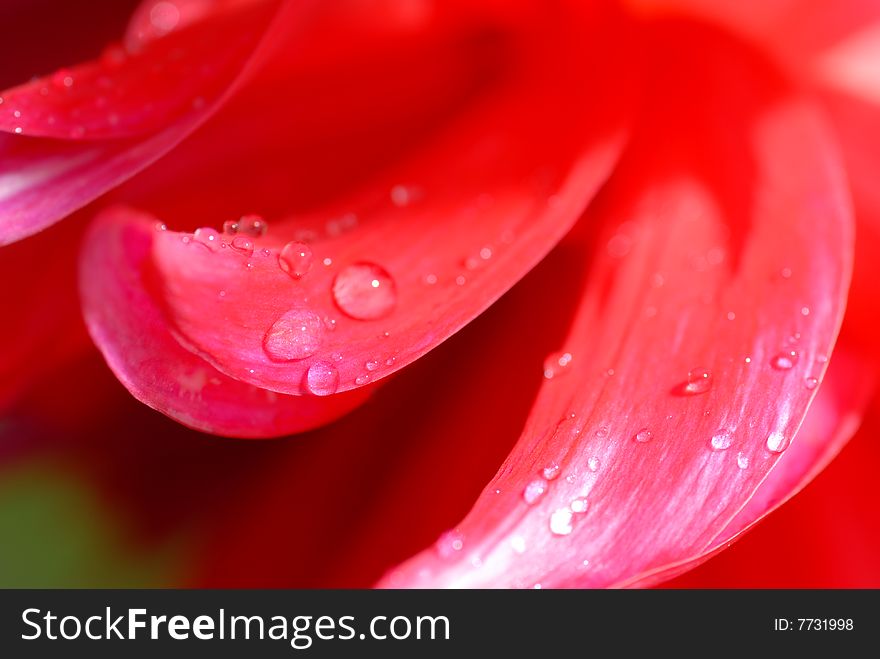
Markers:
point(18, 130)
point(785, 273)
point(266, 252)
point(486, 253)
point(571, 478)
point(329, 323)
point(362, 379)
point(208, 237)
point(243, 244)
point(742, 460)
point(805, 311)
point(784, 360)
point(296, 259)
point(430, 279)
point(295, 335)
point(593, 463)
point(551, 472)
point(602, 432)
point(561, 521)
point(777, 442)
point(699, 381)
point(643, 435)
point(811, 383)
point(390, 361)
point(322, 378)
point(534, 491)
point(721, 440)
point(518, 544)
point(556, 364)
point(579, 505)
point(372, 365)
point(461, 280)
point(365, 291)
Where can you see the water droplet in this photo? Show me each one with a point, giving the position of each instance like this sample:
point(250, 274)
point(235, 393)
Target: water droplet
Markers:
point(722, 439)
point(295, 335)
point(461, 280)
point(365, 291)
point(430, 279)
point(208, 237)
point(372, 365)
point(18, 130)
point(556, 364)
point(295, 259)
point(62, 79)
point(390, 361)
point(699, 381)
point(534, 491)
point(742, 460)
point(551, 472)
point(486, 253)
point(322, 378)
point(518, 544)
point(821, 359)
point(252, 225)
point(777, 442)
point(748, 360)
point(811, 383)
point(450, 543)
point(784, 360)
point(243, 244)
point(785, 273)
point(561, 521)
point(805, 311)
point(579, 505)
point(594, 464)
point(731, 315)
point(362, 379)
point(643, 435)
point(160, 226)
point(164, 16)
point(602, 432)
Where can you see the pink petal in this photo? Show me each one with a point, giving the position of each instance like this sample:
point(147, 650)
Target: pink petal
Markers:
point(160, 94)
point(722, 256)
point(454, 220)
point(127, 325)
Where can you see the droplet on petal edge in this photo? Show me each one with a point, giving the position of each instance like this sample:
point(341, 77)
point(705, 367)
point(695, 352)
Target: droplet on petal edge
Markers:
point(243, 244)
point(534, 491)
point(252, 225)
point(784, 360)
point(721, 440)
point(777, 442)
point(811, 383)
point(365, 291)
point(322, 378)
point(296, 335)
point(207, 237)
point(699, 381)
point(449, 544)
point(556, 364)
point(296, 259)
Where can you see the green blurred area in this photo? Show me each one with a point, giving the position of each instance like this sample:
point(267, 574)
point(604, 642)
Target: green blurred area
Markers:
point(55, 533)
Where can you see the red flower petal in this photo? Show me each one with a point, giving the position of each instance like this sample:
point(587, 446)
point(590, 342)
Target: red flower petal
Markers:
point(160, 94)
point(446, 229)
point(721, 270)
point(129, 328)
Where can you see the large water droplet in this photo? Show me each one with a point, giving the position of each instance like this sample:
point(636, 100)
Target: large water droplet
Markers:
point(534, 491)
point(561, 521)
point(244, 245)
point(784, 360)
point(295, 335)
point(365, 291)
point(556, 364)
point(643, 435)
point(721, 440)
point(207, 237)
point(699, 381)
point(777, 442)
point(295, 259)
point(322, 378)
